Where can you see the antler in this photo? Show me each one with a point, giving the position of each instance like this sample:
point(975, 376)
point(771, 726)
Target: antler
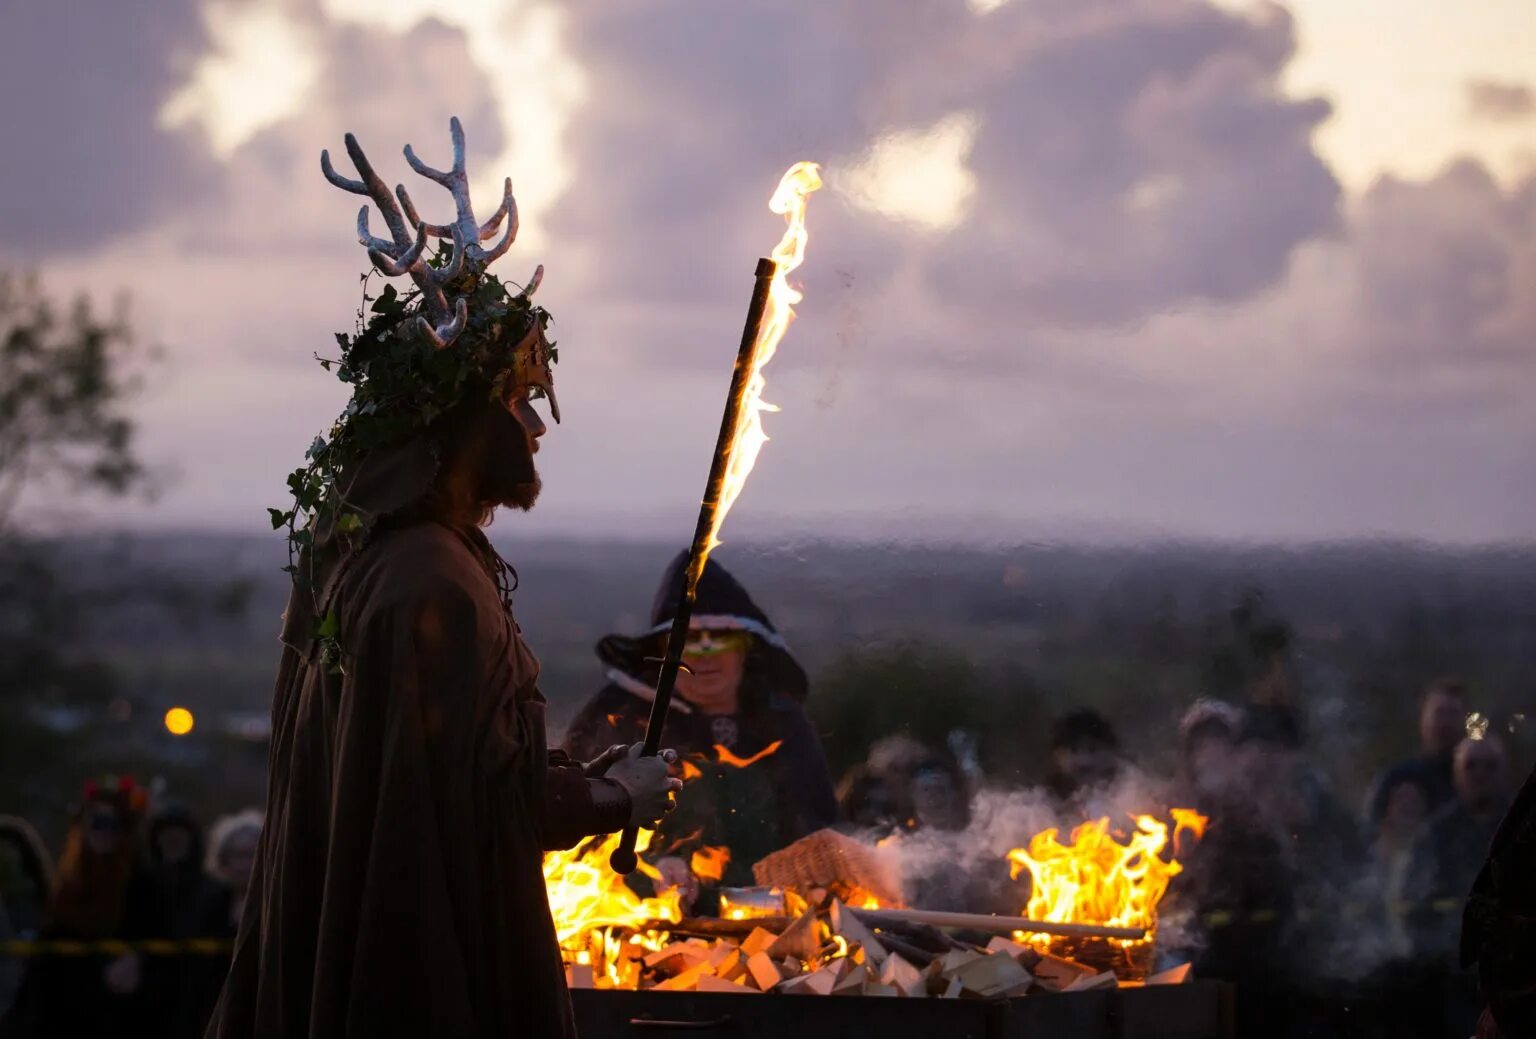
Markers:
point(457, 183)
point(405, 254)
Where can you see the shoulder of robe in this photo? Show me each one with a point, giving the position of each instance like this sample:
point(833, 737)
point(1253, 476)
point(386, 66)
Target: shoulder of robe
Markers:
point(421, 570)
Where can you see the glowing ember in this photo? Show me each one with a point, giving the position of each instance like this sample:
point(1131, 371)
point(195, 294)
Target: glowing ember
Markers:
point(725, 756)
point(789, 200)
point(1098, 880)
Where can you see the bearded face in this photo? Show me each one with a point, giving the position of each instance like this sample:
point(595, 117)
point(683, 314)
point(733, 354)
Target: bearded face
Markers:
point(509, 439)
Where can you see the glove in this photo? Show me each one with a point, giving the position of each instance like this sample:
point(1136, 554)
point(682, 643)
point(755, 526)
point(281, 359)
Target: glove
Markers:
point(597, 768)
point(648, 783)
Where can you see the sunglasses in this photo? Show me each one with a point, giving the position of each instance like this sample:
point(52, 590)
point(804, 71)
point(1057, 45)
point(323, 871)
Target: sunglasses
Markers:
point(704, 643)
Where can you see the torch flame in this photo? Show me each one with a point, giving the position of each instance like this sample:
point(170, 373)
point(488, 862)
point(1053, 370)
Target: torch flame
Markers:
point(1098, 880)
point(789, 200)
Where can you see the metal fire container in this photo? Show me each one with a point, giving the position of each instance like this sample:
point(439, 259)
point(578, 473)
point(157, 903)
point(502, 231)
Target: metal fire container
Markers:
point(1198, 1010)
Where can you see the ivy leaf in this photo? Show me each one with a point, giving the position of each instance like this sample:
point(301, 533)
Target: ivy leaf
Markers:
point(388, 304)
point(279, 517)
point(349, 523)
point(329, 626)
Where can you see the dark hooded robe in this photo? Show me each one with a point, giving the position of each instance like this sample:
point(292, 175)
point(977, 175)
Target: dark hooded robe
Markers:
point(753, 810)
point(1498, 930)
point(397, 888)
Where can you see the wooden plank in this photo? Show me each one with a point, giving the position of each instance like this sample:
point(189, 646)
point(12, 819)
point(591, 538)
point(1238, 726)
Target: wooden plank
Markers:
point(854, 932)
point(799, 939)
point(760, 940)
point(709, 984)
point(765, 973)
point(898, 972)
point(996, 924)
point(1180, 975)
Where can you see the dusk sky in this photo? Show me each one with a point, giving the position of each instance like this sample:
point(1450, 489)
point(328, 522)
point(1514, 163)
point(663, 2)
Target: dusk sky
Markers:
point(1082, 268)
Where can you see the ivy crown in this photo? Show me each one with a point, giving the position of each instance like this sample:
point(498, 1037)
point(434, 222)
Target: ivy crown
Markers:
point(402, 384)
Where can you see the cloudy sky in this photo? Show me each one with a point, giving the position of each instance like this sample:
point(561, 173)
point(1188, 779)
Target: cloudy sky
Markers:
point(1083, 268)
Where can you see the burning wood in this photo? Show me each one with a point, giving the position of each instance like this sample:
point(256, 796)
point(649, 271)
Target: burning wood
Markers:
point(1117, 884)
point(1091, 924)
point(1001, 924)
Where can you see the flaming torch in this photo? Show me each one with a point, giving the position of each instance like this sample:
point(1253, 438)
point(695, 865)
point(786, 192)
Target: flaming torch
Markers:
point(741, 437)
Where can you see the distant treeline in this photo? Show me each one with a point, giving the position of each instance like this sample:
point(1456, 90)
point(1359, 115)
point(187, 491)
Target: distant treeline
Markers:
point(992, 640)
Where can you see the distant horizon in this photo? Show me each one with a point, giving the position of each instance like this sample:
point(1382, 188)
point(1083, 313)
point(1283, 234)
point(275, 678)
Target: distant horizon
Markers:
point(764, 536)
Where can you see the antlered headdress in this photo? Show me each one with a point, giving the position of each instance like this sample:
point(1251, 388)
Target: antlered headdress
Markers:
point(417, 355)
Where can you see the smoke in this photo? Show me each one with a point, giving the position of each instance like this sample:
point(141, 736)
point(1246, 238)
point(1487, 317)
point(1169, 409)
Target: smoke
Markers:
point(1280, 873)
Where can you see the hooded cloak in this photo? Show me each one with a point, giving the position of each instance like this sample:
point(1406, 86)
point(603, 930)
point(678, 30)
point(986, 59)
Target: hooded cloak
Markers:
point(753, 810)
point(1498, 929)
point(397, 888)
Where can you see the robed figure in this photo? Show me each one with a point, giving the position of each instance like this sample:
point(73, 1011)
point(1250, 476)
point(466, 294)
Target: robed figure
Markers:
point(397, 888)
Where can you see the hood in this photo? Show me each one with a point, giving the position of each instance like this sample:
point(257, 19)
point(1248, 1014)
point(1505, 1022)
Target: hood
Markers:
point(721, 603)
point(175, 815)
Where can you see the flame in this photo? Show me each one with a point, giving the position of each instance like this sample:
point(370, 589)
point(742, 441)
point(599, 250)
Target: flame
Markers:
point(709, 863)
point(789, 200)
point(690, 771)
point(591, 904)
point(727, 758)
point(1187, 820)
point(1098, 880)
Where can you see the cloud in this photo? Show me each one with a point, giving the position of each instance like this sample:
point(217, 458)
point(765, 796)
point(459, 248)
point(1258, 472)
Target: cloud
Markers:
point(1095, 161)
point(84, 159)
point(260, 67)
point(1500, 102)
point(1078, 263)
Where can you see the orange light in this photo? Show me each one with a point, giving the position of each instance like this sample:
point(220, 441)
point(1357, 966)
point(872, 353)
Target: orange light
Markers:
point(709, 863)
point(788, 200)
point(727, 758)
point(594, 910)
point(179, 721)
point(690, 771)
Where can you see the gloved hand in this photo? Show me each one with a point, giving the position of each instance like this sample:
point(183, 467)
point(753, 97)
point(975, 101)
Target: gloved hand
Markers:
point(598, 767)
point(648, 783)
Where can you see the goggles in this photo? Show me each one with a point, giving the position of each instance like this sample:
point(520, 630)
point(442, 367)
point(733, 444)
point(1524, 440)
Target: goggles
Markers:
point(704, 642)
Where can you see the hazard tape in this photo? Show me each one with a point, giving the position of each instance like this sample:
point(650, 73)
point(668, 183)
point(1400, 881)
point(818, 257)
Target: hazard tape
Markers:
point(114, 947)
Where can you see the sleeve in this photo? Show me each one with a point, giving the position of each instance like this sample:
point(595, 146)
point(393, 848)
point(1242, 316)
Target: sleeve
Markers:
point(576, 807)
